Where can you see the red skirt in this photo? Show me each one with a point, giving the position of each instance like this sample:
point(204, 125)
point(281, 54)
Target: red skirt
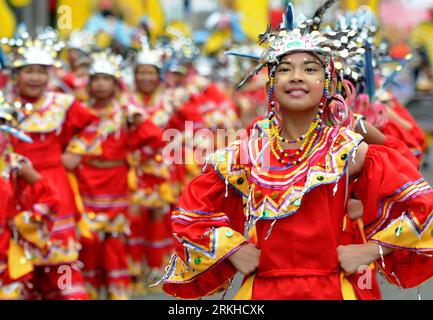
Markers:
point(104, 190)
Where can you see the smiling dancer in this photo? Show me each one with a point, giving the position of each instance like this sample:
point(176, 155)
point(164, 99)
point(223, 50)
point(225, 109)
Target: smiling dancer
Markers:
point(99, 156)
point(27, 208)
point(51, 123)
point(292, 184)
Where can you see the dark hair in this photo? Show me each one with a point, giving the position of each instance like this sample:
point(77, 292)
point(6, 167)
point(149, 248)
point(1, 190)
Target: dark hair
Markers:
point(105, 74)
point(17, 70)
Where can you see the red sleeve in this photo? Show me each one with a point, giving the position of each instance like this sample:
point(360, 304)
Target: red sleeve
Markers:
point(147, 133)
point(187, 112)
point(398, 213)
point(208, 226)
point(77, 118)
point(40, 199)
point(394, 129)
point(396, 144)
point(69, 79)
point(6, 207)
point(416, 131)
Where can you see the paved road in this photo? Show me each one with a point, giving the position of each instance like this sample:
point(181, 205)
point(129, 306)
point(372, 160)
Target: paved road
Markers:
point(389, 292)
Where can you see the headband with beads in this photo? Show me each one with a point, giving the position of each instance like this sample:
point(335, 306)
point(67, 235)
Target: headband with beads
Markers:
point(148, 56)
point(82, 40)
point(106, 62)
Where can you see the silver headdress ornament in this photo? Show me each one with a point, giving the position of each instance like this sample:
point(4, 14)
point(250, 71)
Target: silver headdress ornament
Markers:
point(182, 47)
point(364, 23)
point(106, 62)
point(178, 51)
point(43, 50)
point(12, 114)
point(148, 56)
point(82, 40)
point(303, 36)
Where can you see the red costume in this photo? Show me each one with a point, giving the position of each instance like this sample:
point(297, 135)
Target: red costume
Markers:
point(413, 138)
point(298, 240)
point(155, 190)
point(103, 186)
point(55, 118)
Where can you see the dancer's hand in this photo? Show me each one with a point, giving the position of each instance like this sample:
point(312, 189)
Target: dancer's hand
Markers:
point(29, 174)
point(354, 256)
point(246, 259)
point(71, 160)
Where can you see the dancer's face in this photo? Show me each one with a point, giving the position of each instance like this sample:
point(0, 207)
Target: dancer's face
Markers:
point(32, 80)
point(73, 56)
point(102, 86)
point(175, 79)
point(299, 82)
point(146, 78)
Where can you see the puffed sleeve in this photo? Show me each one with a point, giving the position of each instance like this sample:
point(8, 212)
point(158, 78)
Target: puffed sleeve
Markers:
point(77, 118)
point(38, 203)
point(394, 129)
point(416, 132)
point(396, 144)
point(187, 112)
point(398, 213)
point(208, 226)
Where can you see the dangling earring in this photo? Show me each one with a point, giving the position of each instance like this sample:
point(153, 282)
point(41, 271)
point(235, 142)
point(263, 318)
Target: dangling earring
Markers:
point(337, 111)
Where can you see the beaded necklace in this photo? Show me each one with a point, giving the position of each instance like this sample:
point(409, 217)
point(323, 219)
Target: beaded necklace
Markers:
point(308, 139)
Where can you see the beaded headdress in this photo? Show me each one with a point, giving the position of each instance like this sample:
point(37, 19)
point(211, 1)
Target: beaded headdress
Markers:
point(82, 40)
point(148, 56)
point(43, 50)
point(106, 62)
point(304, 36)
point(180, 50)
point(11, 115)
